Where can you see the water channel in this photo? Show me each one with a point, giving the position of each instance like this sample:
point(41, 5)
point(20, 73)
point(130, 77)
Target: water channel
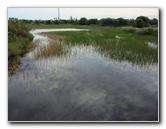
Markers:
point(82, 86)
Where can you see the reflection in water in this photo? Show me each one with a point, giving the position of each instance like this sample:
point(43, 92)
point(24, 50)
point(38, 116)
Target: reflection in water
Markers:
point(82, 86)
point(152, 45)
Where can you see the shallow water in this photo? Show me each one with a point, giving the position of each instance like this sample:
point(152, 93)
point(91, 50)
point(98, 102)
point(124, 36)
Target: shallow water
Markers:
point(82, 86)
point(152, 45)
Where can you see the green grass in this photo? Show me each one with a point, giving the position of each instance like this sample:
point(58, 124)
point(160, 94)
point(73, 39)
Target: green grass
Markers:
point(19, 43)
point(130, 46)
point(17, 49)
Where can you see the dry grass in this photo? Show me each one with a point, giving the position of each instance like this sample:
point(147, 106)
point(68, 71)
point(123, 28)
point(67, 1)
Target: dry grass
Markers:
point(53, 48)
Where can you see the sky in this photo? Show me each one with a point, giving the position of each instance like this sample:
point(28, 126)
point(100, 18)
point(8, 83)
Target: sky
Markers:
point(65, 13)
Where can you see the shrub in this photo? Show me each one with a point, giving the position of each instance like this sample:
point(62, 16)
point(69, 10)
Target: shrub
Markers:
point(155, 32)
point(19, 42)
point(148, 31)
point(140, 23)
point(29, 36)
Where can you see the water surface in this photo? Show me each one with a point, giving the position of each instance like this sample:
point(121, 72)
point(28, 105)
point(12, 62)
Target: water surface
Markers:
point(83, 85)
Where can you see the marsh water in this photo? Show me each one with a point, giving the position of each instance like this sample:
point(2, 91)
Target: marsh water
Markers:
point(82, 85)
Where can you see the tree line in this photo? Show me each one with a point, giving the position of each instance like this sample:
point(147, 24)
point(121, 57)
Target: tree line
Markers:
point(140, 22)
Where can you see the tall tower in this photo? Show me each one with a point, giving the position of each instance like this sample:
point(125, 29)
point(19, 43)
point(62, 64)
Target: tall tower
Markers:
point(58, 14)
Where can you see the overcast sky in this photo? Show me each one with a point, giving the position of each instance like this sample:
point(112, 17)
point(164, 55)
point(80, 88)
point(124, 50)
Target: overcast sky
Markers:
point(65, 13)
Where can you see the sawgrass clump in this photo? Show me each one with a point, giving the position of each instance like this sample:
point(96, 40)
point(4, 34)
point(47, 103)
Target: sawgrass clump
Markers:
point(52, 48)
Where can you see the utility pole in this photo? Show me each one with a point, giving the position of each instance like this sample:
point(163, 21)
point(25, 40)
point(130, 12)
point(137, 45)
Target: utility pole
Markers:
point(58, 14)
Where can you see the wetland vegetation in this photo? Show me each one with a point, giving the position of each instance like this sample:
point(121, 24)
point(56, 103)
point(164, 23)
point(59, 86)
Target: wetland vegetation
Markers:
point(83, 70)
point(115, 43)
point(19, 42)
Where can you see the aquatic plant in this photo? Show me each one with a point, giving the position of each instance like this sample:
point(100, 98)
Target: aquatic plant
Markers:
point(53, 48)
point(128, 46)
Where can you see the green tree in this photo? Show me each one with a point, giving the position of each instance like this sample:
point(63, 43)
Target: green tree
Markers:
point(37, 22)
point(153, 22)
point(131, 22)
point(48, 22)
point(83, 21)
point(92, 21)
point(122, 22)
point(144, 19)
point(140, 23)
point(115, 22)
point(71, 21)
point(106, 21)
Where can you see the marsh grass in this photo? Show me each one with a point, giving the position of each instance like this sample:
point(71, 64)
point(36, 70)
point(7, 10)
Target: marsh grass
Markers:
point(13, 64)
point(53, 48)
point(19, 47)
point(115, 43)
point(16, 50)
point(54, 37)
